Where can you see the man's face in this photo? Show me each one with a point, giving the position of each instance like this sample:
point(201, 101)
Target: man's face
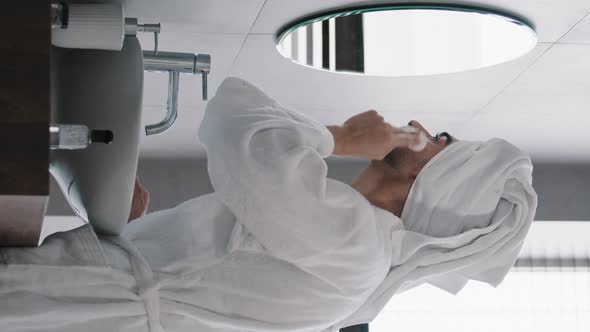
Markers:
point(411, 162)
point(387, 184)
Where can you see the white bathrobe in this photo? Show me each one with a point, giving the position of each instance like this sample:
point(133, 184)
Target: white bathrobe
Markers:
point(277, 247)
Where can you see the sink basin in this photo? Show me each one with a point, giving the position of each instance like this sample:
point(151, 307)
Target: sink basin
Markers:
point(102, 90)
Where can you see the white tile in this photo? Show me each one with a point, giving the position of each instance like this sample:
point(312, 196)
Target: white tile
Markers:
point(332, 98)
point(549, 138)
point(551, 18)
point(580, 34)
point(558, 83)
point(443, 102)
point(215, 16)
point(546, 111)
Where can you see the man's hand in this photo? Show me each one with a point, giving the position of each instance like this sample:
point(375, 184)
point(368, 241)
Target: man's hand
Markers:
point(141, 199)
point(368, 136)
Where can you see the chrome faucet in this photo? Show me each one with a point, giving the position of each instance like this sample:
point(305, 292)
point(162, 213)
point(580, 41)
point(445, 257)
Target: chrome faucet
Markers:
point(171, 62)
point(175, 63)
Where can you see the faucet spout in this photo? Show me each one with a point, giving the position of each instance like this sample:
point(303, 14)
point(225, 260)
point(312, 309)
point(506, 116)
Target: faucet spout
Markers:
point(171, 108)
point(174, 64)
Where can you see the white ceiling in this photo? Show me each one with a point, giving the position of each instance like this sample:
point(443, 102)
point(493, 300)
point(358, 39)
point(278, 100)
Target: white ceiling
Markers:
point(540, 102)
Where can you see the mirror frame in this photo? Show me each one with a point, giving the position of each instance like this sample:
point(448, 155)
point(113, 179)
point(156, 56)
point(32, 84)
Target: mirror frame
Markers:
point(335, 13)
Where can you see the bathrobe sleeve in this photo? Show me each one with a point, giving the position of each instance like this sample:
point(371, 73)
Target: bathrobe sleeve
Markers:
point(266, 164)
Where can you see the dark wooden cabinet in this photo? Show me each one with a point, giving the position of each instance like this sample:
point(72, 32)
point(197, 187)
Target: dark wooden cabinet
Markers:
point(24, 120)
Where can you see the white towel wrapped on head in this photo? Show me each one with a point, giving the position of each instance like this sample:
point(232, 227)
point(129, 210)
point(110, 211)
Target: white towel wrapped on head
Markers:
point(466, 218)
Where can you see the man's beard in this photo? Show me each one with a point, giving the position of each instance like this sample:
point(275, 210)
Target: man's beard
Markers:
point(392, 159)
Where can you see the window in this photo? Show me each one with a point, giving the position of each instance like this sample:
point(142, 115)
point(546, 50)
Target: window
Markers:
point(549, 290)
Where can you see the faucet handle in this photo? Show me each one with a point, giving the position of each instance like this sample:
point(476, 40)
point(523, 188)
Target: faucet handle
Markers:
point(204, 84)
point(203, 66)
point(151, 27)
point(132, 27)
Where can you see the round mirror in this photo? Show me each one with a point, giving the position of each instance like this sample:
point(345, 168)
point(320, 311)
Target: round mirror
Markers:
point(406, 40)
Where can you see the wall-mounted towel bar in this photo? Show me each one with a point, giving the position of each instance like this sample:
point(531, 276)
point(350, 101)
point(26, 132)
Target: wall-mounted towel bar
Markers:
point(175, 63)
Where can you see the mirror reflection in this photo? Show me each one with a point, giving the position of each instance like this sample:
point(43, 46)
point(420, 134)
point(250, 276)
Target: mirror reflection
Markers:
point(406, 41)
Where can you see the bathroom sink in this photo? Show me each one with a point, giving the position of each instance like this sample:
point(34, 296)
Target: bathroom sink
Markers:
point(102, 90)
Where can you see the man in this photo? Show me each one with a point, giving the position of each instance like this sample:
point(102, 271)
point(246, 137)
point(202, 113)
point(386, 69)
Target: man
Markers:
point(278, 246)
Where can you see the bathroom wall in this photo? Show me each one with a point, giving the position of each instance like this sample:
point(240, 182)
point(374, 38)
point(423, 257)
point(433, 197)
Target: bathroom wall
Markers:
point(564, 189)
